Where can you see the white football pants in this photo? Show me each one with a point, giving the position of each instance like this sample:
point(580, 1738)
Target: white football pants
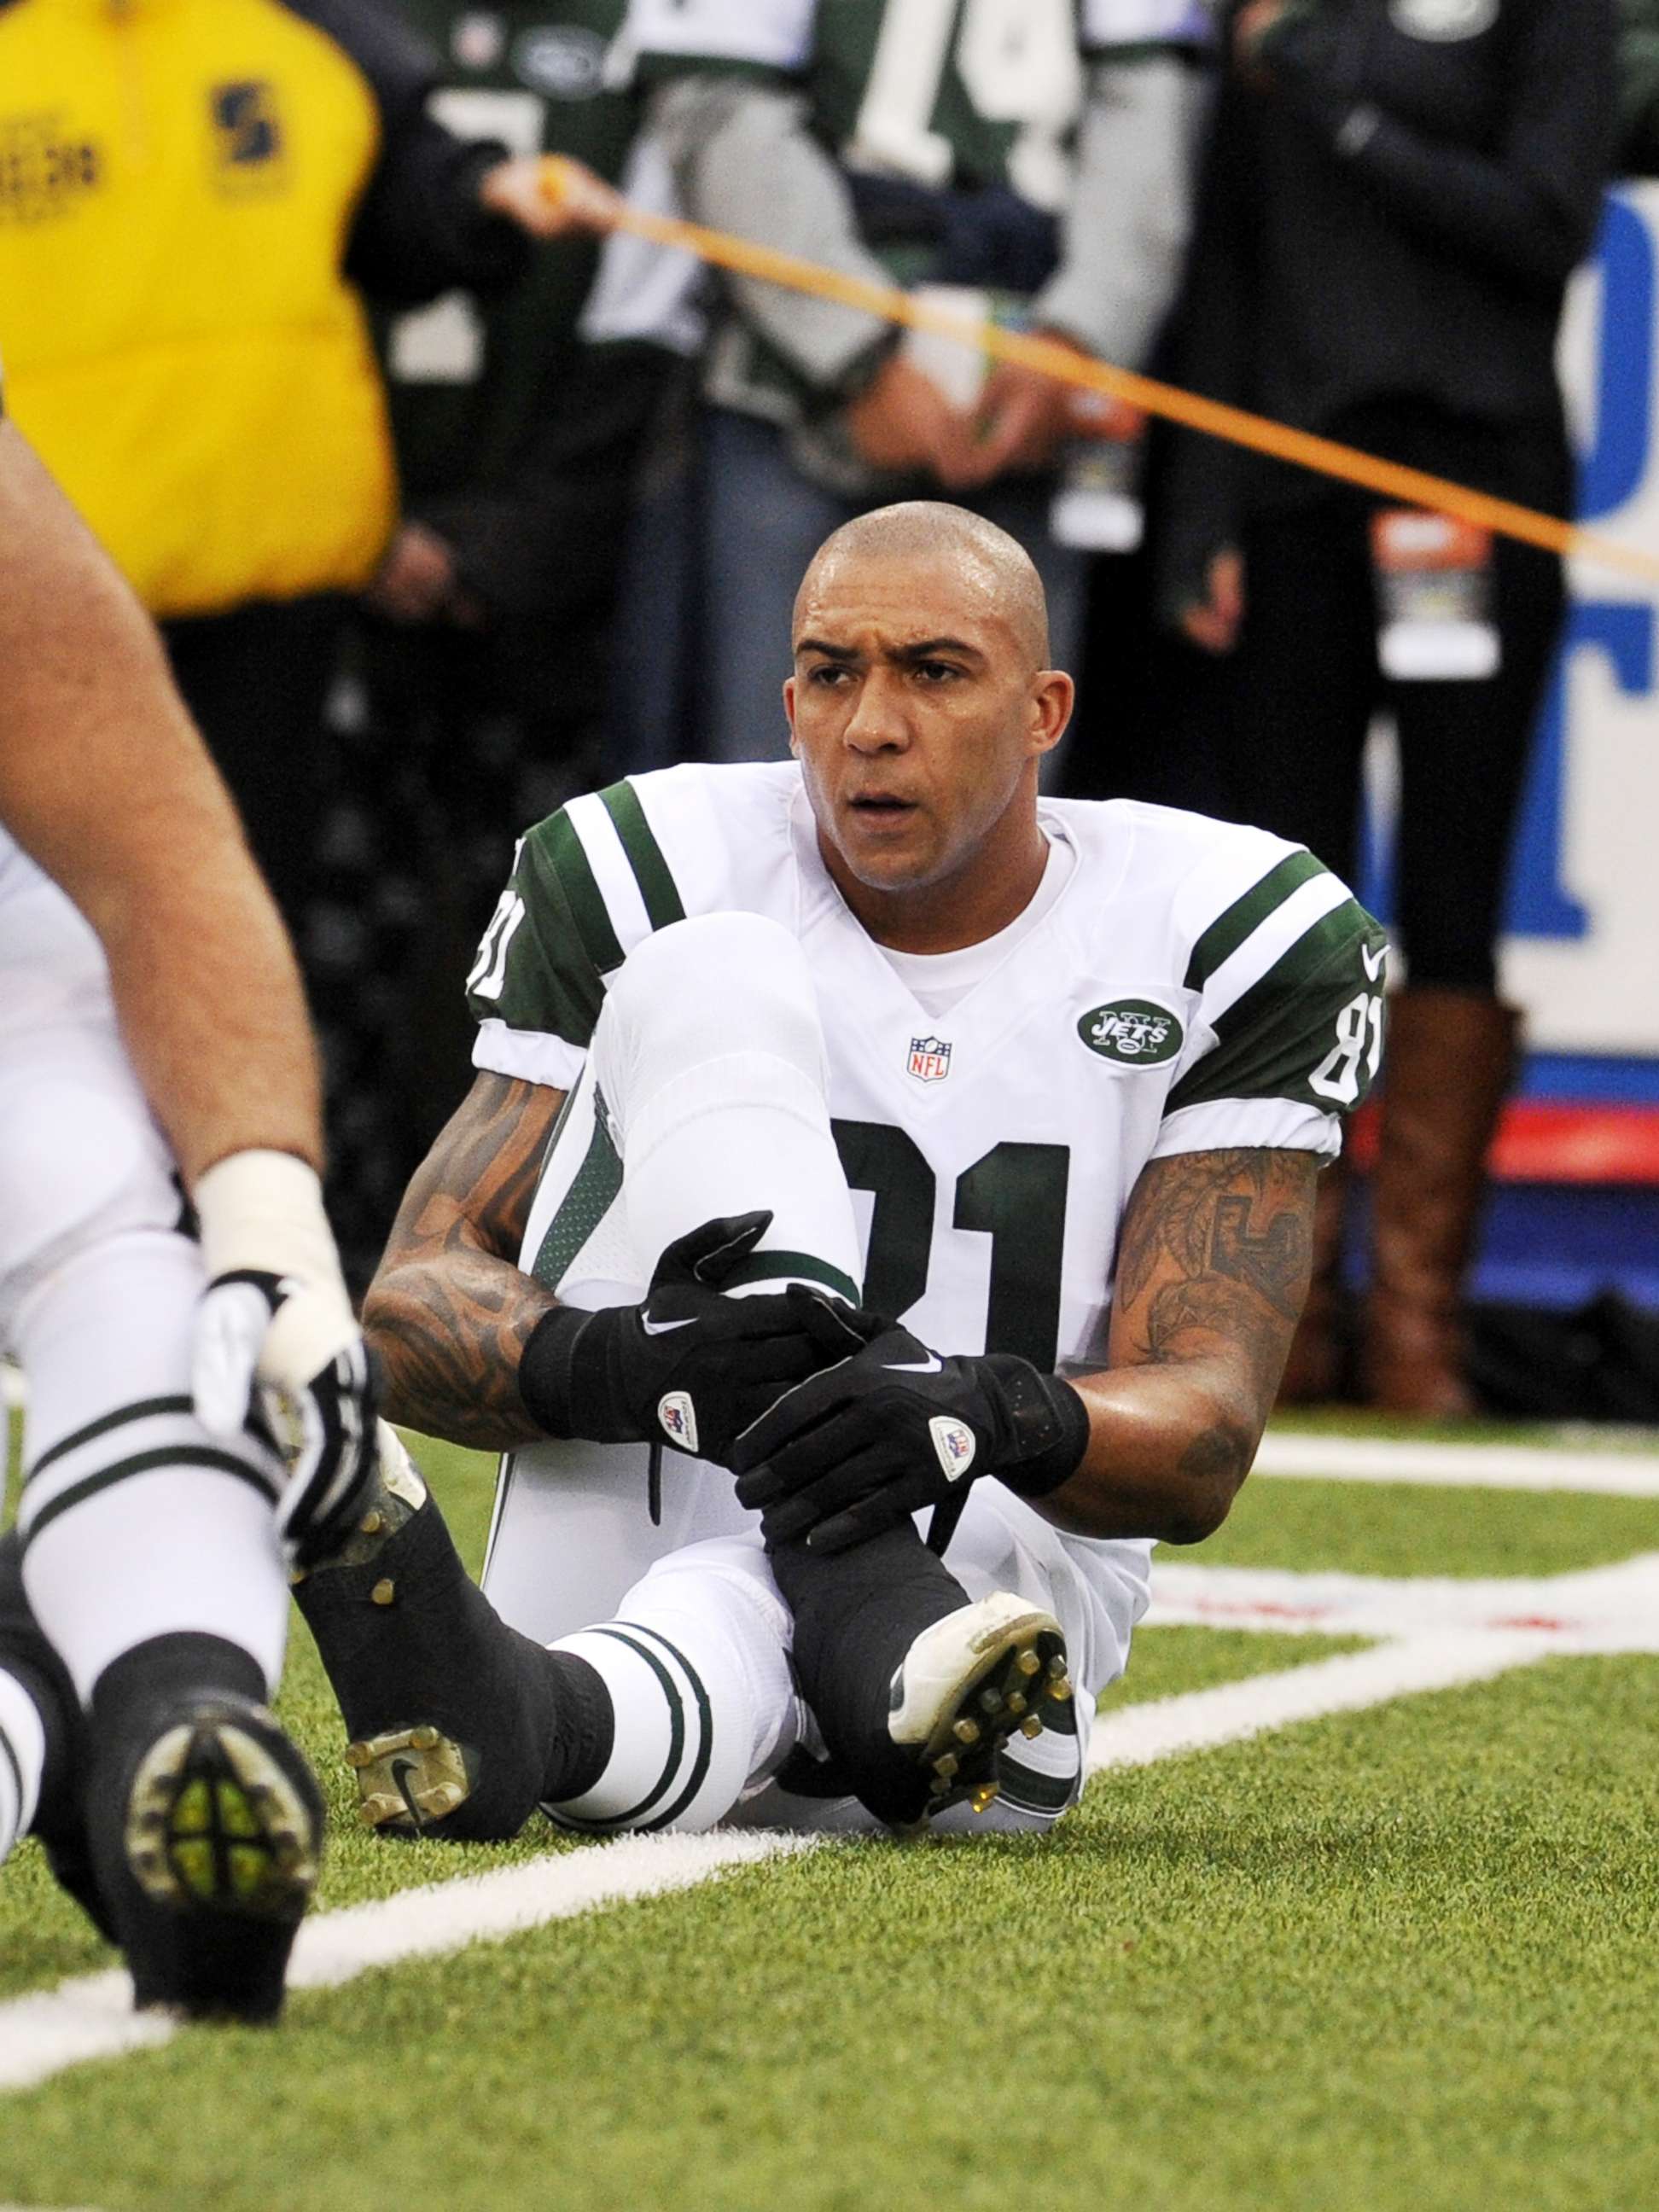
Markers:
point(136, 1523)
point(705, 1093)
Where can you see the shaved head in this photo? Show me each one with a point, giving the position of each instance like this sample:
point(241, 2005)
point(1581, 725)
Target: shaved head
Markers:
point(993, 568)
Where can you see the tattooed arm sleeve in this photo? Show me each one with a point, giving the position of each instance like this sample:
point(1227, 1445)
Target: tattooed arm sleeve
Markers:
point(449, 1312)
point(1213, 1268)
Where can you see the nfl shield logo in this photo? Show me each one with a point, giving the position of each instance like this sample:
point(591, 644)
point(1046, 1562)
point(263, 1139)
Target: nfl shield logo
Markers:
point(679, 1417)
point(929, 1059)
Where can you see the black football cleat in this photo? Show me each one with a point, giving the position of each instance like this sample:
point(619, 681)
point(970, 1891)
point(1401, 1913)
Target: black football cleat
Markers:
point(966, 1686)
point(450, 1712)
point(206, 1838)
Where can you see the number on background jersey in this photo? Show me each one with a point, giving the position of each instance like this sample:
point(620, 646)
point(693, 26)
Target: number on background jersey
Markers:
point(1016, 1194)
point(1019, 60)
point(1338, 1077)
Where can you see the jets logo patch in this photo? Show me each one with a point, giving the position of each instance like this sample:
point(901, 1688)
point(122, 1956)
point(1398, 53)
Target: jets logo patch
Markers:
point(929, 1059)
point(1131, 1031)
point(679, 1417)
point(953, 1441)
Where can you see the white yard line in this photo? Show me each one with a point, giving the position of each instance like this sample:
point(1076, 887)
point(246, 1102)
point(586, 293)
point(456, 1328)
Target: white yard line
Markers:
point(1138, 1735)
point(92, 2016)
point(1457, 1467)
point(1613, 1608)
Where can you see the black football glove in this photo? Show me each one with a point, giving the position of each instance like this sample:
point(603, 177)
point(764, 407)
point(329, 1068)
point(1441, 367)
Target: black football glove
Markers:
point(688, 1367)
point(894, 1428)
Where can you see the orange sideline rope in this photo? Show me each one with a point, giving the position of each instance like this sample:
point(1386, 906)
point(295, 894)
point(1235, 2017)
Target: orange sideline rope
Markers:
point(1410, 487)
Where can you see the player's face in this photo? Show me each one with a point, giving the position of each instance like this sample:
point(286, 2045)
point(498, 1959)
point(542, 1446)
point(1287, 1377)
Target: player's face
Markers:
point(917, 715)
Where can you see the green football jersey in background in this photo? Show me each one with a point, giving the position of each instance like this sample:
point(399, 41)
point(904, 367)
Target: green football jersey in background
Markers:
point(469, 381)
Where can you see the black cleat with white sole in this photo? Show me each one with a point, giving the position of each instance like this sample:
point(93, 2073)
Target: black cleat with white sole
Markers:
point(206, 1835)
point(967, 1684)
point(451, 1714)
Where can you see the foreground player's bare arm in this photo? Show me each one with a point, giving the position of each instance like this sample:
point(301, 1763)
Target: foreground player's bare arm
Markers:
point(450, 1312)
point(1212, 1268)
point(105, 782)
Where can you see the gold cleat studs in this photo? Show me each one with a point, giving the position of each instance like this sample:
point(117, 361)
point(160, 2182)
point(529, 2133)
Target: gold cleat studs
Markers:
point(1031, 1725)
point(383, 1593)
point(424, 1738)
point(985, 1796)
point(966, 1731)
point(945, 1768)
point(371, 1524)
point(990, 1700)
point(1060, 1691)
point(359, 1754)
point(1016, 1703)
point(1029, 1663)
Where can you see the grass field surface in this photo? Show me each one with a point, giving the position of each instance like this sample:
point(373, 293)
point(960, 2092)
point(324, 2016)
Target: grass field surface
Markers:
point(1398, 1956)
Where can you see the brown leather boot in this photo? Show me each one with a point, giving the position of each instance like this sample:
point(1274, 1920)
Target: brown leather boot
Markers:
point(1313, 1372)
point(1450, 1057)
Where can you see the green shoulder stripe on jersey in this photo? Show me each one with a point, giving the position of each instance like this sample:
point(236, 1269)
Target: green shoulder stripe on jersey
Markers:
point(1341, 930)
point(576, 878)
point(1307, 1016)
point(1228, 931)
point(651, 871)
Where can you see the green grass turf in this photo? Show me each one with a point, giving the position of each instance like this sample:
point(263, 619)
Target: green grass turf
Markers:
point(1402, 1528)
point(1394, 1959)
point(1543, 1436)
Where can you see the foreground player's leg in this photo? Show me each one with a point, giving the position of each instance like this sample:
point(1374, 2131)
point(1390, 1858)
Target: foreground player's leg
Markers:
point(152, 1564)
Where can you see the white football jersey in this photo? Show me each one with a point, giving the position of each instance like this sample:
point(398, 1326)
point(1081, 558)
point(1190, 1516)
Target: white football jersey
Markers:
point(1193, 987)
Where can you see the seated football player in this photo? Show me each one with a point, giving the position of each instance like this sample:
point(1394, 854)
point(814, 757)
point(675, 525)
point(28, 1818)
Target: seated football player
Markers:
point(865, 1149)
point(153, 1036)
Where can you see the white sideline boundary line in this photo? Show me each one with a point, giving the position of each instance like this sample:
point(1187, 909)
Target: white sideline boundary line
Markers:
point(1315, 1458)
point(91, 2016)
point(1203, 1720)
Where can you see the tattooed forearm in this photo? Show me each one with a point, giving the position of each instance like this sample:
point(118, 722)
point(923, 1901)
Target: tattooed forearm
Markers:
point(1211, 1271)
point(449, 1341)
point(1217, 1248)
point(450, 1312)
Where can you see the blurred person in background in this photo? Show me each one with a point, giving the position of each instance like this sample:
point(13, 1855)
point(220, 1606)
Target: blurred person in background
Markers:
point(1396, 193)
point(481, 657)
point(1639, 88)
point(193, 199)
point(1032, 155)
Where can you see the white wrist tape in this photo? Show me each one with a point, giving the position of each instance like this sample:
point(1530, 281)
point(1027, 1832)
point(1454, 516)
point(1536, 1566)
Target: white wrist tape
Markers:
point(264, 1211)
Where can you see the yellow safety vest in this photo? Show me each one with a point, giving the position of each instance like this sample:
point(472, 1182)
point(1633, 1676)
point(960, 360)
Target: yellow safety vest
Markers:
point(177, 181)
